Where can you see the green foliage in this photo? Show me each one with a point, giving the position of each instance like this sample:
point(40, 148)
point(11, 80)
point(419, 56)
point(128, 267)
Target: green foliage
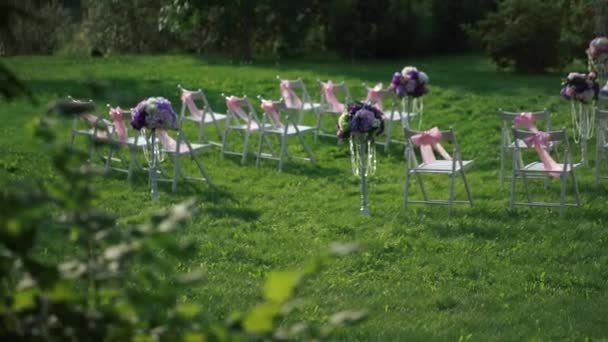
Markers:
point(533, 35)
point(120, 282)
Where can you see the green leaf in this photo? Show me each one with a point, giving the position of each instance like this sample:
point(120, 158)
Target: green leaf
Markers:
point(187, 311)
point(261, 317)
point(25, 299)
point(62, 291)
point(280, 286)
point(194, 337)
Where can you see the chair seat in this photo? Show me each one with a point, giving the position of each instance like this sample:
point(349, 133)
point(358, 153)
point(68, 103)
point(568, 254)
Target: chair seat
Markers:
point(208, 118)
point(441, 166)
point(311, 106)
point(396, 115)
point(184, 148)
point(522, 144)
point(539, 167)
point(139, 142)
point(291, 129)
point(254, 127)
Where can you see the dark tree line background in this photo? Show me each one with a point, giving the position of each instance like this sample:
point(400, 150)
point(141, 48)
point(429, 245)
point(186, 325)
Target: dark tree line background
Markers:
point(529, 35)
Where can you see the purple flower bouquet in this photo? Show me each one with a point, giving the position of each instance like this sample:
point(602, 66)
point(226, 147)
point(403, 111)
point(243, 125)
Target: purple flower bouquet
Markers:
point(598, 51)
point(410, 82)
point(580, 87)
point(360, 119)
point(154, 112)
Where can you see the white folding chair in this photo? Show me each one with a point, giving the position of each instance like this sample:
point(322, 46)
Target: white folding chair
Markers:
point(175, 151)
point(96, 129)
point(507, 143)
point(296, 96)
point(601, 143)
point(335, 98)
point(120, 138)
point(429, 142)
point(199, 111)
point(390, 104)
point(243, 118)
point(541, 169)
point(280, 121)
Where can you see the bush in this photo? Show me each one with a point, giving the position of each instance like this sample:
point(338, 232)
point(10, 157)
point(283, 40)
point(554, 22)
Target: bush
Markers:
point(42, 31)
point(531, 35)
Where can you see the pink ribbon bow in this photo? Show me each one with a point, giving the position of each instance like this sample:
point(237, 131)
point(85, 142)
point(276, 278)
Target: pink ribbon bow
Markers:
point(233, 104)
point(428, 141)
point(118, 119)
point(330, 97)
point(169, 143)
point(374, 96)
point(291, 99)
point(540, 140)
point(525, 119)
point(269, 109)
point(188, 100)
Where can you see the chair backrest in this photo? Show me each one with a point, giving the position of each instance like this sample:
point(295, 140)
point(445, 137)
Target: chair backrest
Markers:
point(125, 115)
point(446, 136)
point(199, 101)
point(91, 120)
point(341, 92)
point(388, 98)
point(298, 87)
point(286, 115)
point(240, 110)
point(556, 138)
point(507, 117)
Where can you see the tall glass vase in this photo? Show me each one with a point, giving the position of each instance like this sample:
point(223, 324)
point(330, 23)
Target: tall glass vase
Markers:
point(583, 123)
point(412, 106)
point(153, 161)
point(363, 163)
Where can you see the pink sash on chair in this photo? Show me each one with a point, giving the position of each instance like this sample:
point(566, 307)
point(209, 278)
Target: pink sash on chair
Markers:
point(291, 99)
point(330, 96)
point(117, 116)
point(169, 143)
point(233, 104)
point(540, 140)
point(269, 109)
point(189, 102)
point(374, 95)
point(428, 141)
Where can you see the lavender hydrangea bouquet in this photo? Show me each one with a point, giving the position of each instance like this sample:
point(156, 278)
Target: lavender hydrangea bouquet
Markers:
point(581, 90)
point(410, 85)
point(153, 113)
point(361, 123)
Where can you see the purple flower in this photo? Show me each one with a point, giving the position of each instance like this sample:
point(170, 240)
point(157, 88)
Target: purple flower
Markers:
point(409, 82)
point(154, 112)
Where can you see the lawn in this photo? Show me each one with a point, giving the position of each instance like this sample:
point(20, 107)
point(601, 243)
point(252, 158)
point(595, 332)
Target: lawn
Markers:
point(486, 273)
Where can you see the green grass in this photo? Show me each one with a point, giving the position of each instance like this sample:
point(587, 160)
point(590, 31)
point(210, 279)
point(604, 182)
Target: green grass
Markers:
point(487, 272)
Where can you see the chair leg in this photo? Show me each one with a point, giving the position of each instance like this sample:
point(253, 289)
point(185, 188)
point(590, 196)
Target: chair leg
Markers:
point(260, 145)
point(132, 156)
point(245, 147)
point(318, 130)
point(466, 187)
point(176, 171)
point(528, 195)
point(512, 196)
point(562, 196)
point(72, 139)
point(576, 191)
point(282, 151)
point(451, 199)
point(202, 169)
point(406, 192)
point(224, 142)
point(201, 134)
point(421, 185)
point(502, 164)
point(598, 164)
point(306, 149)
